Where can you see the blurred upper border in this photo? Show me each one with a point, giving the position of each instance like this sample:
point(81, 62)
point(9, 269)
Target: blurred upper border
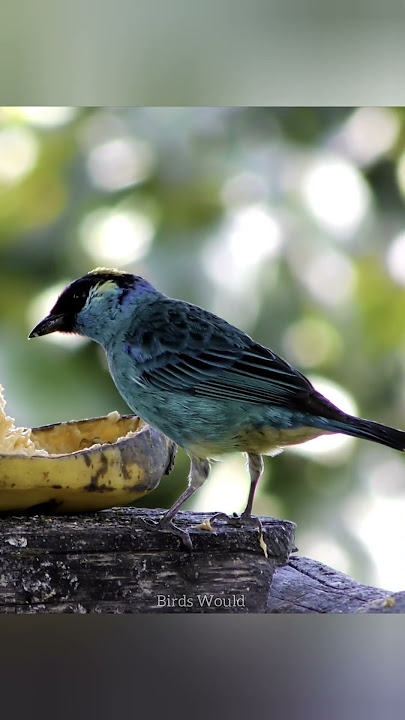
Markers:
point(184, 52)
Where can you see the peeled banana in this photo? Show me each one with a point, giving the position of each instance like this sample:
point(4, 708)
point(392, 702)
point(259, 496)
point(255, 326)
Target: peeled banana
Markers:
point(81, 465)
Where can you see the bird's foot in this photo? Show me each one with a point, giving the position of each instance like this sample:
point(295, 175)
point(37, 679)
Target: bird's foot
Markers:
point(243, 520)
point(169, 526)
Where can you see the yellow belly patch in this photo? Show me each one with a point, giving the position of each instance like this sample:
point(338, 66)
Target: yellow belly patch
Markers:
point(266, 441)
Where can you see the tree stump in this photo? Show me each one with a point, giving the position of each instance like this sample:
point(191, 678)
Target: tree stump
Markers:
point(109, 562)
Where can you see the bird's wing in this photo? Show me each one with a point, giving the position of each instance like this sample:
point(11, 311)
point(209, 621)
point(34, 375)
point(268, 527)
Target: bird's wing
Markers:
point(195, 353)
point(253, 377)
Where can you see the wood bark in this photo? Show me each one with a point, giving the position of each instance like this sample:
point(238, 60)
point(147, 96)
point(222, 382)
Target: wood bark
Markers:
point(109, 562)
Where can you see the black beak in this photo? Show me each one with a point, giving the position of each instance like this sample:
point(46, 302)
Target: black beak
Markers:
point(48, 325)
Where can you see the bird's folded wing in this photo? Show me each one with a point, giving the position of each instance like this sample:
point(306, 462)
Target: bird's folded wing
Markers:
point(251, 373)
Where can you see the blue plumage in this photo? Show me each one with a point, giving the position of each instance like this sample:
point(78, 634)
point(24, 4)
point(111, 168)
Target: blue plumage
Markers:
point(203, 382)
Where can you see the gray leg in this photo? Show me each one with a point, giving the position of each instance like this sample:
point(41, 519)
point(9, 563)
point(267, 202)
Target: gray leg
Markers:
point(256, 467)
point(199, 471)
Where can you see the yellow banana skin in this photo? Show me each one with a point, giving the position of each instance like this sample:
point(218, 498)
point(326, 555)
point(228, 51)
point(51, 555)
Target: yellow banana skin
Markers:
point(84, 478)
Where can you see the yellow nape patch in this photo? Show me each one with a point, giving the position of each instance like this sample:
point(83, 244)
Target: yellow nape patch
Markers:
point(105, 287)
point(104, 270)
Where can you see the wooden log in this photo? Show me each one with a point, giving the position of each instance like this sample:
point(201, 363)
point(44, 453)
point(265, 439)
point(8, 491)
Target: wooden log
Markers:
point(109, 562)
point(307, 586)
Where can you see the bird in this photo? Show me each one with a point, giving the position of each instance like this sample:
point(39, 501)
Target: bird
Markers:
point(201, 381)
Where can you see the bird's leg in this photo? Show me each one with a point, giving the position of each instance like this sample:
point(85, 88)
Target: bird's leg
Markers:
point(199, 471)
point(255, 465)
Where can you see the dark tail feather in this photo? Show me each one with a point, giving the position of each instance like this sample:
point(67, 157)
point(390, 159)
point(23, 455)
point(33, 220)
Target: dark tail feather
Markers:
point(370, 430)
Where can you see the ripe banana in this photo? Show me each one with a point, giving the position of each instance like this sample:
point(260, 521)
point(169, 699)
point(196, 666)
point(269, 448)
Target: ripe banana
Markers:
point(84, 465)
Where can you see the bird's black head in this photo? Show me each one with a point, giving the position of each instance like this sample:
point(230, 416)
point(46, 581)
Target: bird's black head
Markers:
point(101, 282)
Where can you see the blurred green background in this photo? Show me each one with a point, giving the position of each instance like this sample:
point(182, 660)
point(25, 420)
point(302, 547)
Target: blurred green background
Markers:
point(288, 222)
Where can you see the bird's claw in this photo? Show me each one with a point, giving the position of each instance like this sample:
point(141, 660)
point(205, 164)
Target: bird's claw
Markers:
point(169, 526)
point(243, 520)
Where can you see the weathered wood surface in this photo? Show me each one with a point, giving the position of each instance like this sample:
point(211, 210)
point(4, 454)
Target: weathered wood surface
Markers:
point(307, 586)
point(108, 562)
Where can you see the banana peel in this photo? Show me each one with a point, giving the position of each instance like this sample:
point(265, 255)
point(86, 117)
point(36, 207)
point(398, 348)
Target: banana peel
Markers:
point(91, 465)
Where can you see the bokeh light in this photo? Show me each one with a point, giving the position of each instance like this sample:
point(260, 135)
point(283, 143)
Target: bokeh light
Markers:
point(379, 524)
point(330, 277)
point(401, 173)
point(311, 341)
point(119, 163)
point(44, 117)
point(244, 189)
point(396, 258)
point(319, 547)
point(227, 487)
point(18, 153)
point(336, 195)
point(335, 448)
point(47, 117)
point(250, 236)
point(116, 236)
point(367, 134)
